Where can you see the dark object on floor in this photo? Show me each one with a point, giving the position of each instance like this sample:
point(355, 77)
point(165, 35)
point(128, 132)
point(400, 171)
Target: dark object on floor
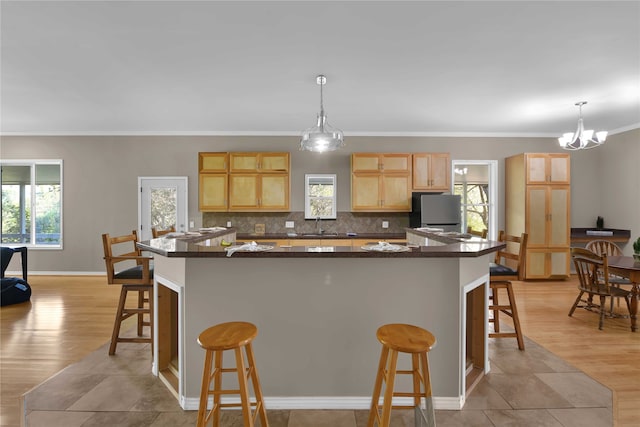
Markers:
point(14, 290)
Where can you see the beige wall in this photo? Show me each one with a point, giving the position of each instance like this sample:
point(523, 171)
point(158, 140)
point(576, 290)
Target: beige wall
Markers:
point(100, 178)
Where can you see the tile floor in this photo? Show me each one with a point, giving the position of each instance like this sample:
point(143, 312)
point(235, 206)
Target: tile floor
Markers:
point(527, 388)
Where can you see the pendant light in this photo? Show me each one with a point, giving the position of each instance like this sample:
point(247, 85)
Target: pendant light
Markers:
point(581, 139)
point(322, 137)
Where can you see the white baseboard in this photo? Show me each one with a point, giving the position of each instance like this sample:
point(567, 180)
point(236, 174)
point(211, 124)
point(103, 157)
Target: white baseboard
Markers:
point(330, 402)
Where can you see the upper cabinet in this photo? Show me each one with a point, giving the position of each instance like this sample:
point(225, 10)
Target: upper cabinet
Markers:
point(380, 182)
point(243, 182)
point(431, 172)
point(259, 162)
point(213, 162)
point(548, 168)
point(381, 162)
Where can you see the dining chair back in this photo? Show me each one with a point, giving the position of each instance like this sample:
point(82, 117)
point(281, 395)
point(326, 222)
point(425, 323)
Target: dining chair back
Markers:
point(593, 276)
point(158, 233)
point(126, 266)
point(509, 262)
point(479, 233)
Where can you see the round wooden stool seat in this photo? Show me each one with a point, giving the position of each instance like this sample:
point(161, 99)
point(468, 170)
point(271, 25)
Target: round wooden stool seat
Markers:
point(406, 338)
point(401, 338)
point(215, 340)
point(227, 336)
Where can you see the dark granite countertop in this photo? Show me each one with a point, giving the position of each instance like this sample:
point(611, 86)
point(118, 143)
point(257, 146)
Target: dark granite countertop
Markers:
point(310, 236)
point(185, 249)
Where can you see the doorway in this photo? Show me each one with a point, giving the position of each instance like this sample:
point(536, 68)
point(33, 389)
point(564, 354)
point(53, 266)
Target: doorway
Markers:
point(476, 182)
point(162, 203)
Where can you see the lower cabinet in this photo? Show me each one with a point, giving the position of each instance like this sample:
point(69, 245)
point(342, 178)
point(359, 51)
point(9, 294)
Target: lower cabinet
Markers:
point(548, 263)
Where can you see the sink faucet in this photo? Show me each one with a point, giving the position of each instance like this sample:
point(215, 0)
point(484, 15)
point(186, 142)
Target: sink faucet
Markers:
point(319, 229)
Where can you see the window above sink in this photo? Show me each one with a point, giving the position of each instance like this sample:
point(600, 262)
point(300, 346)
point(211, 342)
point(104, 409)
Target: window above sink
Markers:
point(320, 196)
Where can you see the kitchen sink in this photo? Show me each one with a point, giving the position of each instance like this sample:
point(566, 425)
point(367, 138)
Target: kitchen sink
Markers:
point(319, 235)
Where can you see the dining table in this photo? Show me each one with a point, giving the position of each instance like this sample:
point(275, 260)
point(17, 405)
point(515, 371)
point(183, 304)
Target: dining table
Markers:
point(628, 267)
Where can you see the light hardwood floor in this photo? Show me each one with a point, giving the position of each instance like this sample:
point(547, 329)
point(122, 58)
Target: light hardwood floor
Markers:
point(71, 316)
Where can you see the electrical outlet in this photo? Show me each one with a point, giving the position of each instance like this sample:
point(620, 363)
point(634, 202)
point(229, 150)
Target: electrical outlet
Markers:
point(385, 224)
point(192, 224)
point(228, 223)
point(288, 224)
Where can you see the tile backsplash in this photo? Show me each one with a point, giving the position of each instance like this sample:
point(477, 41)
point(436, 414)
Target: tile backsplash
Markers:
point(274, 222)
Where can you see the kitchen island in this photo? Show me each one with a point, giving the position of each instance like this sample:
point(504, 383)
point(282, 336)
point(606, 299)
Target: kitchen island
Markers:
point(317, 310)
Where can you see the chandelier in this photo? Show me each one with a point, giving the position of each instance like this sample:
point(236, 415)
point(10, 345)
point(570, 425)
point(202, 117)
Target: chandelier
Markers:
point(322, 137)
point(581, 139)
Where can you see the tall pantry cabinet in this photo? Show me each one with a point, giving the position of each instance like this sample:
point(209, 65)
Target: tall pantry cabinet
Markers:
point(537, 201)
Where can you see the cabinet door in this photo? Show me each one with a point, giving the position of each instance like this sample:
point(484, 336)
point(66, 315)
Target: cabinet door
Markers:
point(274, 192)
point(212, 194)
point(395, 162)
point(559, 222)
point(304, 242)
point(431, 171)
point(243, 192)
point(548, 168)
point(440, 171)
point(365, 162)
point(273, 162)
point(365, 192)
point(243, 162)
point(212, 162)
point(537, 216)
point(396, 192)
point(547, 263)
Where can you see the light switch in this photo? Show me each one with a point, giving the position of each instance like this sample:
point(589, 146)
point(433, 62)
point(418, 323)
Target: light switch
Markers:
point(228, 223)
point(288, 224)
point(385, 224)
point(192, 224)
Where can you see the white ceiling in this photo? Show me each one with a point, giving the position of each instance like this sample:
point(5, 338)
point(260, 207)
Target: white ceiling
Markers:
point(403, 68)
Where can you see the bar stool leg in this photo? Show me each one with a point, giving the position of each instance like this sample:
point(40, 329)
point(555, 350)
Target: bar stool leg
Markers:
point(382, 365)
point(140, 314)
point(257, 390)
point(415, 373)
point(217, 381)
point(514, 316)
point(118, 322)
point(204, 390)
point(496, 312)
point(244, 388)
point(388, 390)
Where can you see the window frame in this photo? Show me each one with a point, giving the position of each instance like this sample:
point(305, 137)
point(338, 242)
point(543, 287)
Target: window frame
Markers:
point(32, 164)
point(307, 197)
point(493, 192)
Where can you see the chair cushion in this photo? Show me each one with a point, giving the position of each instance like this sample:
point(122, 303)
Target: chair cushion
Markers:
point(132, 273)
point(501, 270)
point(14, 291)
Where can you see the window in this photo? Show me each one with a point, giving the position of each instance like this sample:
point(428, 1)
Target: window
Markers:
point(32, 203)
point(320, 196)
point(475, 182)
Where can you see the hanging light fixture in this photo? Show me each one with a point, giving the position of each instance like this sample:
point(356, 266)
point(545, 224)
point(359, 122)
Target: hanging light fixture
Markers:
point(322, 137)
point(581, 139)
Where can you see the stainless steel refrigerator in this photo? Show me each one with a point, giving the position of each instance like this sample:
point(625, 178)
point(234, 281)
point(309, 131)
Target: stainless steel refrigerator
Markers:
point(436, 210)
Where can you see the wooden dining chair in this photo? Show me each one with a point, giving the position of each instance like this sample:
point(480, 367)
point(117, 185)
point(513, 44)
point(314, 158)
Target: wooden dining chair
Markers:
point(126, 266)
point(605, 247)
point(507, 266)
point(479, 233)
point(593, 275)
point(155, 233)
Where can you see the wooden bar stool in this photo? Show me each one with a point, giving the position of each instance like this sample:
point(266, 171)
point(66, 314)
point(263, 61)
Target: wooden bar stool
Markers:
point(215, 340)
point(401, 338)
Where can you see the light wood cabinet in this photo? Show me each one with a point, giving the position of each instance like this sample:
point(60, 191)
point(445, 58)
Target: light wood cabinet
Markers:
point(381, 162)
point(259, 162)
point(249, 182)
point(544, 168)
point(431, 172)
point(212, 182)
point(381, 182)
point(538, 202)
point(212, 194)
point(258, 192)
point(213, 162)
